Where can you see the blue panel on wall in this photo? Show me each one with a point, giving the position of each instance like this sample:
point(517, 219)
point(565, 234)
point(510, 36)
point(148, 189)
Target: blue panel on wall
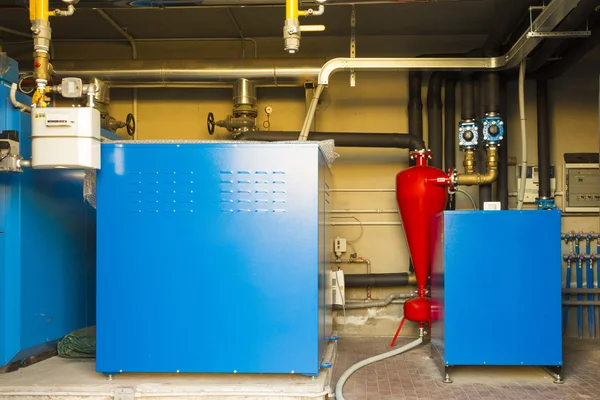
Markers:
point(221, 261)
point(497, 301)
point(47, 263)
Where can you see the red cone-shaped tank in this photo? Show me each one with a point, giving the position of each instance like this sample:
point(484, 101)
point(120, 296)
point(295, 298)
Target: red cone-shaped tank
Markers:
point(421, 193)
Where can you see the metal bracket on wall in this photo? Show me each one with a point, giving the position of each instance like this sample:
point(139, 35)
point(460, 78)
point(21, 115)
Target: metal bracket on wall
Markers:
point(353, 44)
point(556, 34)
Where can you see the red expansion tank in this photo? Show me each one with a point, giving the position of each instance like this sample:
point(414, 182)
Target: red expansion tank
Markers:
point(421, 194)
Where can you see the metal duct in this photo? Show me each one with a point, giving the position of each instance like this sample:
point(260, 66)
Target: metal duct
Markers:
point(213, 72)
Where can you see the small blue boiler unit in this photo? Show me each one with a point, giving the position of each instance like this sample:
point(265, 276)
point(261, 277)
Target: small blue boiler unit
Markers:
point(496, 289)
point(212, 257)
point(47, 246)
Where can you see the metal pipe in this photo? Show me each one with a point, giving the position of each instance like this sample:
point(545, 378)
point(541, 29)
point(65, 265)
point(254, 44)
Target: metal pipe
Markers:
point(469, 179)
point(13, 99)
point(358, 261)
point(579, 304)
point(373, 211)
point(434, 119)
point(579, 280)
point(343, 139)
point(589, 283)
point(125, 73)
point(582, 290)
point(449, 132)
point(567, 287)
point(381, 303)
point(546, 21)
point(543, 135)
point(374, 223)
point(121, 31)
point(364, 190)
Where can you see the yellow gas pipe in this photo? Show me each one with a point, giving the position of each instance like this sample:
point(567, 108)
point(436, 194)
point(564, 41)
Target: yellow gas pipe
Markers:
point(39, 14)
point(292, 28)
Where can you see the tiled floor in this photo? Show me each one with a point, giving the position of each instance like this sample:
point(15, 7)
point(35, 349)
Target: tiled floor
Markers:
point(414, 375)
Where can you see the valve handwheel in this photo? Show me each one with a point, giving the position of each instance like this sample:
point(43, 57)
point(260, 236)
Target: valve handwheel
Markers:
point(130, 124)
point(210, 123)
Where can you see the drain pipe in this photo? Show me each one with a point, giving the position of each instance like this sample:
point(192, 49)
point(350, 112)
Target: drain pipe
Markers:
point(415, 107)
point(449, 138)
point(545, 201)
point(434, 118)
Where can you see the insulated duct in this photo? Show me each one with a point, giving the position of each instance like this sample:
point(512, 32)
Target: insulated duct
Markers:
point(213, 72)
point(415, 106)
point(343, 139)
point(502, 183)
point(450, 132)
point(543, 130)
point(434, 119)
point(377, 280)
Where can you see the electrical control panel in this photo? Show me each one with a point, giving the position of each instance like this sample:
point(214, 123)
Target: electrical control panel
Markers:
point(532, 183)
point(582, 188)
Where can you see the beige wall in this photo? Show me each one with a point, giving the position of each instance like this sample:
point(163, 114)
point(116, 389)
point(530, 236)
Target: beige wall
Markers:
point(376, 104)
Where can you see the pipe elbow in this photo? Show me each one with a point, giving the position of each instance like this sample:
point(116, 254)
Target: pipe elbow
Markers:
point(489, 176)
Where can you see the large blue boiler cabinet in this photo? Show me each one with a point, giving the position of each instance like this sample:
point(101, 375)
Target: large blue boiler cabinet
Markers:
point(212, 257)
point(496, 289)
point(47, 247)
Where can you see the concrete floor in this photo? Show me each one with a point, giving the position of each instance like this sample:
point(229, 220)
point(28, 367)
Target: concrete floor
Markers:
point(414, 375)
point(409, 376)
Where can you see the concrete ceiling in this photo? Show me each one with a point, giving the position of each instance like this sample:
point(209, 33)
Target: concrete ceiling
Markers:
point(478, 17)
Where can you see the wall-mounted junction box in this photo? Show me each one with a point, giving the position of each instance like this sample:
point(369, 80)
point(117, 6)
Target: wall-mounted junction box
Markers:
point(532, 183)
point(582, 188)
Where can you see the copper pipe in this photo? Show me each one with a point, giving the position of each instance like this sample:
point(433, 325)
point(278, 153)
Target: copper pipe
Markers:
point(491, 162)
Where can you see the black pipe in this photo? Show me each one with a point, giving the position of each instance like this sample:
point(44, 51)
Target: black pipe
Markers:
point(491, 92)
point(434, 119)
point(543, 131)
point(376, 280)
point(467, 97)
point(343, 139)
point(415, 107)
point(502, 185)
point(450, 132)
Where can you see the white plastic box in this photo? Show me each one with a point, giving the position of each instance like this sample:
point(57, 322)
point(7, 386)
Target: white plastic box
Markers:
point(65, 137)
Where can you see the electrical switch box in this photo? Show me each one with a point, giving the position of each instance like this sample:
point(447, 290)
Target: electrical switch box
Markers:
point(338, 292)
point(65, 137)
point(532, 183)
point(340, 246)
point(582, 188)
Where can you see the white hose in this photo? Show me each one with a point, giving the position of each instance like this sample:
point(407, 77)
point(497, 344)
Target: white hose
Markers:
point(13, 99)
point(340, 384)
point(310, 114)
point(469, 197)
point(521, 192)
